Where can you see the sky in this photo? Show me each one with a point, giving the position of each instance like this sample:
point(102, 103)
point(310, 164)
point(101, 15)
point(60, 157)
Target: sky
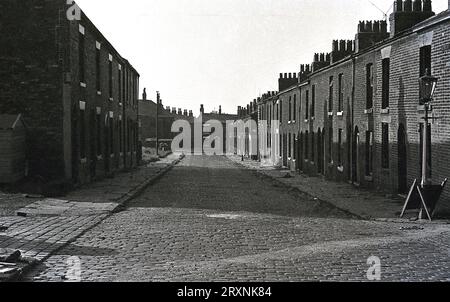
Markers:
point(225, 52)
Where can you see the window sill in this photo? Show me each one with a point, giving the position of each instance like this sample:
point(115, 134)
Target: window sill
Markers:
point(330, 113)
point(99, 92)
point(340, 113)
point(100, 157)
point(120, 104)
point(368, 111)
point(368, 178)
point(83, 85)
point(306, 120)
point(111, 99)
point(111, 156)
point(340, 169)
point(83, 161)
point(385, 111)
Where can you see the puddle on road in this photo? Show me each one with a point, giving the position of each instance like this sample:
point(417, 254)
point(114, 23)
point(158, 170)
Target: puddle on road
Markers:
point(226, 216)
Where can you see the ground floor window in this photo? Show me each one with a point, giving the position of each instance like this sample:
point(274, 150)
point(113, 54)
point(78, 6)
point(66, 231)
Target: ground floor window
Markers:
point(385, 146)
point(369, 153)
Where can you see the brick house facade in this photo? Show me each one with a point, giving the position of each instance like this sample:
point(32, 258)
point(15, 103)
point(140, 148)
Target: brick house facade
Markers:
point(77, 94)
point(356, 115)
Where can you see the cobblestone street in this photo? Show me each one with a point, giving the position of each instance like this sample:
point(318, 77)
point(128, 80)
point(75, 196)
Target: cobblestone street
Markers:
point(211, 220)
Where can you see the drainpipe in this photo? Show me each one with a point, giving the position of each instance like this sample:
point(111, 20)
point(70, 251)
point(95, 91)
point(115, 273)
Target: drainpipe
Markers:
point(352, 123)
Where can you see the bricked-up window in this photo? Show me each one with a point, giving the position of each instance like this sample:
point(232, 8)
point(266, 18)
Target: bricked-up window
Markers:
point(313, 101)
point(97, 69)
point(306, 145)
point(369, 153)
point(330, 95)
point(307, 105)
point(369, 86)
point(340, 147)
point(82, 134)
point(330, 145)
point(428, 151)
point(385, 145)
point(110, 76)
point(341, 92)
point(81, 58)
point(98, 126)
point(295, 108)
point(386, 70)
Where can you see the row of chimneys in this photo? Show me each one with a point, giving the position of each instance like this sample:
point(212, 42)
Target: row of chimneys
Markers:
point(407, 13)
point(180, 111)
point(412, 6)
point(202, 109)
point(250, 108)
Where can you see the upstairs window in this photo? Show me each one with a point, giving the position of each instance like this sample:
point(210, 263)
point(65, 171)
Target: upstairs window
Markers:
point(330, 95)
point(341, 92)
point(340, 146)
point(290, 109)
point(369, 86)
point(295, 108)
point(313, 101)
point(97, 69)
point(110, 76)
point(307, 105)
point(425, 61)
point(81, 57)
point(386, 70)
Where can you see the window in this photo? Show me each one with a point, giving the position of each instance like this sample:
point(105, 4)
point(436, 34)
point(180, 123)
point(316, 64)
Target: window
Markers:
point(82, 135)
point(340, 146)
point(428, 151)
point(290, 146)
point(307, 105)
point(341, 92)
point(313, 155)
point(313, 101)
point(330, 145)
point(369, 153)
point(110, 79)
point(97, 70)
point(330, 95)
point(306, 145)
point(385, 83)
point(120, 136)
point(369, 86)
point(119, 82)
point(425, 61)
point(385, 146)
point(290, 109)
point(281, 111)
point(295, 108)
point(81, 58)
point(295, 147)
point(111, 135)
point(99, 134)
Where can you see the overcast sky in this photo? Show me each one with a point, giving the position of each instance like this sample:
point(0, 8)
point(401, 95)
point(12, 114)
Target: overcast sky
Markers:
point(225, 52)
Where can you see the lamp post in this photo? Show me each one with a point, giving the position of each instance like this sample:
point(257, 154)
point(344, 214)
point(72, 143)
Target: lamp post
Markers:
point(427, 85)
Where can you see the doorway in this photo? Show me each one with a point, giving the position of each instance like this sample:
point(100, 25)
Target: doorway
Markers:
point(402, 161)
point(355, 156)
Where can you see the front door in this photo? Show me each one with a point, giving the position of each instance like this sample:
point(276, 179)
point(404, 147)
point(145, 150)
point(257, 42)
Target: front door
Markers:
point(402, 161)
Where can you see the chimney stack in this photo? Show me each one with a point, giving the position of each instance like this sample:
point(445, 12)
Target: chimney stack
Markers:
point(180, 111)
point(408, 13)
point(185, 112)
point(174, 110)
point(144, 94)
point(220, 109)
point(191, 114)
point(202, 109)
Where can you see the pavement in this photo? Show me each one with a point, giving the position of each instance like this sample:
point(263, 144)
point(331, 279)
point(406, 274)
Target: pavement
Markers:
point(210, 219)
point(361, 202)
point(38, 227)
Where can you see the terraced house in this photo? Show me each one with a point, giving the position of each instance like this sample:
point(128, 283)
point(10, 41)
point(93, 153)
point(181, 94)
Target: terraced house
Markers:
point(354, 114)
point(77, 94)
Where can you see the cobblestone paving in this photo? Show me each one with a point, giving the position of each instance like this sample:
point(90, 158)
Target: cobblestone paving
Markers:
point(209, 220)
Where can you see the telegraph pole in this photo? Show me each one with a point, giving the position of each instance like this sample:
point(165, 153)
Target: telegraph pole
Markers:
point(158, 100)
